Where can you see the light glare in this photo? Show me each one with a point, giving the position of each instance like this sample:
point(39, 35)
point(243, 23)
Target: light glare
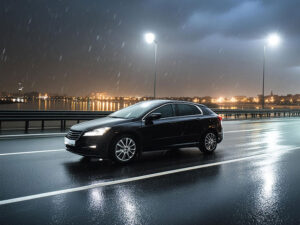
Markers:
point(149, 38)
point(97, 132)
point(273, 40)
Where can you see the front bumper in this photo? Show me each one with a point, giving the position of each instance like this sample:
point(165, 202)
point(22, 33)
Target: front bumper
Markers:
point(90, 146)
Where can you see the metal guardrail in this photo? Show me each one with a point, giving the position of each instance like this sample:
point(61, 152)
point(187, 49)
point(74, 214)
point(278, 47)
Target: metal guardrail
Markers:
point(78, 116)
point(43, 116)
point(256, 113)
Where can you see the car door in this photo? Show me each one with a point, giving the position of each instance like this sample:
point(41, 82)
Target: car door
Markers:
point(189, 122)
point(160, 133)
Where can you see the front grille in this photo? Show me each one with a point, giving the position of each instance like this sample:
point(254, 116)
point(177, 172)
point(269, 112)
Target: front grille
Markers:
point(73, 135)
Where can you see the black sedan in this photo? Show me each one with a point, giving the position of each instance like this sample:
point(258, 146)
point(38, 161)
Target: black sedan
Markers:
point(147, 126)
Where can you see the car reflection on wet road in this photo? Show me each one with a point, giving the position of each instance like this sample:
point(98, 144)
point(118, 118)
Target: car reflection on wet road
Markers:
point(253, 178)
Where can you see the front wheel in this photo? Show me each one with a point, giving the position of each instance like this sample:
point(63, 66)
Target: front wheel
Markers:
point(208, 143)
point(124, 149)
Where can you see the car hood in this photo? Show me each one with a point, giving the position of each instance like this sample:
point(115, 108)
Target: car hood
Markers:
point(97, 123)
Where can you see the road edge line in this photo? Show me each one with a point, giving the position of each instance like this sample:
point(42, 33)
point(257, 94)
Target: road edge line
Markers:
point(127, 180)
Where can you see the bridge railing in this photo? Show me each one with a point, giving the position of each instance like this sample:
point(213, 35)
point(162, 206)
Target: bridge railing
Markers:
point(256, 113)
point(42, 116)
point(64, 116)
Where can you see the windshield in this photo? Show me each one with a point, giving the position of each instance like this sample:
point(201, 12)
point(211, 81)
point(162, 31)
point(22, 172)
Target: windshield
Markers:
point(133, 111)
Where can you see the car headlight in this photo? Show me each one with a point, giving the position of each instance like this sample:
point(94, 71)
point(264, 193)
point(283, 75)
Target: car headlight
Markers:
point(97, 132)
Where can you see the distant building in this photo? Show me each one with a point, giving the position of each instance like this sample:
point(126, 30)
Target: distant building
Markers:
point(99, 96)
point(31, 95)
point(43, 96)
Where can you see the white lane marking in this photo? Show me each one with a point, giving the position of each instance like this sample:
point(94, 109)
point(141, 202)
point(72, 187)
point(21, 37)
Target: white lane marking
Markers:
point(127, 180)
point(31, 152)
point(19, 153)
point(44, 151)
point(33, 135)
point(237, 131)
point(62, 134)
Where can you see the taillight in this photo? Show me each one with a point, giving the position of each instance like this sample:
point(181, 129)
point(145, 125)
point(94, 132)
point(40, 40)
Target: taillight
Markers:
point(220, 118)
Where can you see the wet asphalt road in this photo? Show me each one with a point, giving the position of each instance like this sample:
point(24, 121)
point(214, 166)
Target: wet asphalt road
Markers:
point(253, 178)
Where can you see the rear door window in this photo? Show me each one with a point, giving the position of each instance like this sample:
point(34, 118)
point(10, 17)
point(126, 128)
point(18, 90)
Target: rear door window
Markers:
point(207, 111)
point(187, 109)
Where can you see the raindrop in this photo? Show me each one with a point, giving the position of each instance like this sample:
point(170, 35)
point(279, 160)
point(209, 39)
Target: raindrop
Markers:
point(123, 44)
point(3, 51)
point(29, 21)
point(90, 48)
point(119, 74)
point(60, 58)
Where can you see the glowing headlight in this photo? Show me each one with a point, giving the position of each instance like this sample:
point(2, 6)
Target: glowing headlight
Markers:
point(97, 132)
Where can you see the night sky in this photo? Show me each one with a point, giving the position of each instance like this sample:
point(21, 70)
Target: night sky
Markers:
point(205, 47)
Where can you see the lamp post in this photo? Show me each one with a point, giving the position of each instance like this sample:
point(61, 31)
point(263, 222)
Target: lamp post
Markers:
point(272, 40)
point(150, 39)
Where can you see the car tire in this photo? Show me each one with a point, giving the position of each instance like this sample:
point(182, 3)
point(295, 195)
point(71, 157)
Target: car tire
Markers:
point(208, 142)
point(124, 149)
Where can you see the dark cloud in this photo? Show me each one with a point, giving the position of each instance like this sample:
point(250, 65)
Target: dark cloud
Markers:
point(205, 47)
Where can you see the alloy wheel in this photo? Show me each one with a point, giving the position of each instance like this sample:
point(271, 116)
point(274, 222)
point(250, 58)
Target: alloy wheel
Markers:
point(210, 142)
point(125, 149)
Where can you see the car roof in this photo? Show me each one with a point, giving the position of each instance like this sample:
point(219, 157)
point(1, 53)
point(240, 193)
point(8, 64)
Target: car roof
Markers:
point(158, 102)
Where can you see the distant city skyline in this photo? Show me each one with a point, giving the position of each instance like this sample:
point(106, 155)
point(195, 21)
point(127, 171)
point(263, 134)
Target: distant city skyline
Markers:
point(206, 47)
point(108, 96)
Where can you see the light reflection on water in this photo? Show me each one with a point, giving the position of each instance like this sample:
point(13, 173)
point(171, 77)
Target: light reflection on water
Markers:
point(267, 198)
point(96, 199)
point(127, 204)
point(95, 105)
point(269, 174)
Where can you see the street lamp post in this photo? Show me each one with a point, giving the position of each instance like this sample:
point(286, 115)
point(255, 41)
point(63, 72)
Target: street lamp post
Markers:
point(263, 81)
point(273, 40)
point(150, 39)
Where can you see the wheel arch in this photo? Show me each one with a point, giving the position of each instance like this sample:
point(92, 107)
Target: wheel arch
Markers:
point(214, 130)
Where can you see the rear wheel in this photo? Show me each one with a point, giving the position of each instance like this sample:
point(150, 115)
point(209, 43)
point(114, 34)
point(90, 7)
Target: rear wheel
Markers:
point(208, 142)
point(124, 149)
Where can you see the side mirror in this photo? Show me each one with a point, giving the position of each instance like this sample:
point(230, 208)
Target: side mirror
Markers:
point(153, 116)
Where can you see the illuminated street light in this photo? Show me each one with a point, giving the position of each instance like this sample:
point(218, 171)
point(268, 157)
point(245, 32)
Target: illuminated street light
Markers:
point(272, 40)
point(150, 39)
